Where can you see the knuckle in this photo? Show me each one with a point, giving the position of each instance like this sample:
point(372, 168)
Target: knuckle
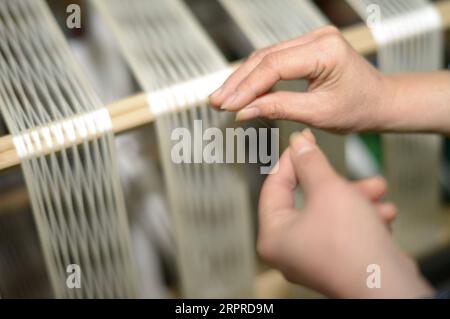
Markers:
point(380, 180)
point(332, 50)
point(270, 61)
point(275, 111)
point(334, 43)
point(247, 87)
point(331, 29)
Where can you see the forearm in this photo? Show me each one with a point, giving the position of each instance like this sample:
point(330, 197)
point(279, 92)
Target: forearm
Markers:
point(416, 102)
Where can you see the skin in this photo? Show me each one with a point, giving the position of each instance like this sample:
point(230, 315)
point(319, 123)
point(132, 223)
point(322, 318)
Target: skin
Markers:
point(345, 93)
point(343, 227)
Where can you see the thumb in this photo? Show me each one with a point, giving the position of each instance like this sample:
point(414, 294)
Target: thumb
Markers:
point(310, 164)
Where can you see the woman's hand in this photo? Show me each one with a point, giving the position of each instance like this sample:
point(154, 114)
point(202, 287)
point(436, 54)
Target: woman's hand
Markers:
point(342, 229)
point(345, 93)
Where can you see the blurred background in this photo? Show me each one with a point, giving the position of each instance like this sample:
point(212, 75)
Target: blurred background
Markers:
point(22, 269)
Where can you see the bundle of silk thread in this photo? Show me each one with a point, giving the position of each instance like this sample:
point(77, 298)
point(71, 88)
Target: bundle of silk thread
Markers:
point(176, 63)
point(63, 137)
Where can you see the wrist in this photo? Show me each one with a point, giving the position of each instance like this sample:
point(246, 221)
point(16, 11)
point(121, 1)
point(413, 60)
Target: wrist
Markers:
point(385, 116)
point(397, 276)
point(404, 280)
point(414, 102)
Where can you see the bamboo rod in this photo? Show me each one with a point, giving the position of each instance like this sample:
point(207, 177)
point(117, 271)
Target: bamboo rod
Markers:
point(360, 37)
point(134, 111)
point(125, 114)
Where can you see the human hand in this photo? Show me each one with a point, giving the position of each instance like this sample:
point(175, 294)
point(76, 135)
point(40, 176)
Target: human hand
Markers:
point(345, 93)
point(328, 244)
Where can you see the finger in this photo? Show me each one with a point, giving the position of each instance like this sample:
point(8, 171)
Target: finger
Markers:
point(281, 105)
point(310, 164)
point(387, 211)
point(219, 96)
point(374, 187)
point(277, 193)
point(288, 64)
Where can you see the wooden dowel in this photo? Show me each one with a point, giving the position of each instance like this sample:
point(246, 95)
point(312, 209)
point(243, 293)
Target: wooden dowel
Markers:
point(443, 7)
point(360, 37)
point(125, 114)
point(134, 111)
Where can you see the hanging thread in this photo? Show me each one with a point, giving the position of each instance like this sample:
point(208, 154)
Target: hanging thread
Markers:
point(75, 192)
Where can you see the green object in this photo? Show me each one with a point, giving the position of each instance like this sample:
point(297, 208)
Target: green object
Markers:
point(374, 145)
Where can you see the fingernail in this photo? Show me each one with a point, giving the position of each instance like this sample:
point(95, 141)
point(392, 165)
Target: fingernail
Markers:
point(229, 102)
point(247, 114)
point(300, 143)
point(307, 133)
